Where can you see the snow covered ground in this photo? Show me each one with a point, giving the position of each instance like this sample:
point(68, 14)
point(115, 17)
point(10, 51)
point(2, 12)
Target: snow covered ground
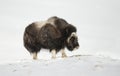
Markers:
point(98, 24)
point(72, 66)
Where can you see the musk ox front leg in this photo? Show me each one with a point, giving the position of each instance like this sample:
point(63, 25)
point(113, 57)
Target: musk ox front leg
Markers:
point(54, 53)
point(35, 56)
point(63, 53)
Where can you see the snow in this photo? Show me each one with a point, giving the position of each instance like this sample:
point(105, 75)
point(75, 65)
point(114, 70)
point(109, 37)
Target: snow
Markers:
point(76, 65)
point(98, 27)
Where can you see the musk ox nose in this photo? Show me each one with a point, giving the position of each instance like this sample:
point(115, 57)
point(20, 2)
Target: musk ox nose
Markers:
point(77, 47)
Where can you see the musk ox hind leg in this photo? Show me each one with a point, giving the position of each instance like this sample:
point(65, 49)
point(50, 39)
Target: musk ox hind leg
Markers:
point(31, 44)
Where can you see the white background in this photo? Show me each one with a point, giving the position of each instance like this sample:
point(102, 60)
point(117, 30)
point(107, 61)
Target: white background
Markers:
point(97, 22)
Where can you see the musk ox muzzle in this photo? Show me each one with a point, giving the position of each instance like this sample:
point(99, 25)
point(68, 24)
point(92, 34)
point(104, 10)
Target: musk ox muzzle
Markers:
point(54, 34)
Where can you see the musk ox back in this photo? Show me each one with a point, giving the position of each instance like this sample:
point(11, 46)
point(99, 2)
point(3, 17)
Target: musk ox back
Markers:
point(54, 34)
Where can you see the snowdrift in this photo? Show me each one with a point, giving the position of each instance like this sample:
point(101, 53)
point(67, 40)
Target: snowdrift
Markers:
point(77, 65)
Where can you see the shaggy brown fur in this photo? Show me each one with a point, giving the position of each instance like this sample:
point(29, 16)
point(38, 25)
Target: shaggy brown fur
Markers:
point(51, 34)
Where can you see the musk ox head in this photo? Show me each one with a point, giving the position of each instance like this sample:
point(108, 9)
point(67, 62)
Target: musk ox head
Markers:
point(72, 40)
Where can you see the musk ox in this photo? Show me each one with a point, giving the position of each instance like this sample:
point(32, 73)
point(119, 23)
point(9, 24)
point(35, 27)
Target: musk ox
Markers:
point(54, 34)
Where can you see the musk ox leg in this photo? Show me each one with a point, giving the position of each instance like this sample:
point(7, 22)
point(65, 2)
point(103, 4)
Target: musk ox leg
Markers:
point(35, 55)
point(53, 53)
point(63, 53)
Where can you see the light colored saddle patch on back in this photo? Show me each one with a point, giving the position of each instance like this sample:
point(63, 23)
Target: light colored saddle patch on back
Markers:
point(40, 24)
